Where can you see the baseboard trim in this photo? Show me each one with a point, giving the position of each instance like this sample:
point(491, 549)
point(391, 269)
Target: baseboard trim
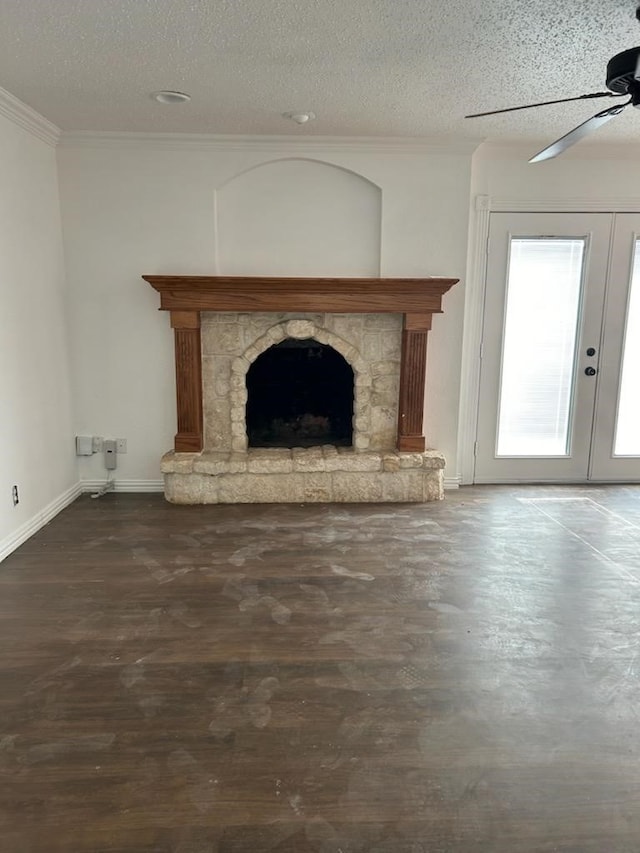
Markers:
point(453, 482)
point(26, 531)
point(124, 485)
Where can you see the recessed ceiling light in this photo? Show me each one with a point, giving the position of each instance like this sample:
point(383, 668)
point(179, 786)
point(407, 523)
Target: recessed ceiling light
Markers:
point(168, 97)
point(299, 117)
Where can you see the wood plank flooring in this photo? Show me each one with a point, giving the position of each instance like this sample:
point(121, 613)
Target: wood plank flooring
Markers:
point(461, 677)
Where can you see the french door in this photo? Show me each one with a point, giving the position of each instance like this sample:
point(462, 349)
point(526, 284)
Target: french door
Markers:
point(560, 355)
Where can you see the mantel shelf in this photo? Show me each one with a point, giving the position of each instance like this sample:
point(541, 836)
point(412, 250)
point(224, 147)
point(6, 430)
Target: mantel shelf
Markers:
point(334, 295)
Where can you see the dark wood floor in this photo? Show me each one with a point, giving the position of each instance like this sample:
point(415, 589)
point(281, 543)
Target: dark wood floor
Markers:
point(444, 678)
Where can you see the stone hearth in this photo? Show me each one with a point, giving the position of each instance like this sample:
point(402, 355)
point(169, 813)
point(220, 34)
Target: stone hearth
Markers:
point(384, 347)
point(303, 475)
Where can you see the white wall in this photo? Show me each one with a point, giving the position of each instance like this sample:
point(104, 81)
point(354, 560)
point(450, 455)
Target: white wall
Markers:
point(132, 207)
point(36, 430)
point(587, 175)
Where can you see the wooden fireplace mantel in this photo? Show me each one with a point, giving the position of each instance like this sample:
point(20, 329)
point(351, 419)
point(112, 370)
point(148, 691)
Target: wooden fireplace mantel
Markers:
point(186, 296)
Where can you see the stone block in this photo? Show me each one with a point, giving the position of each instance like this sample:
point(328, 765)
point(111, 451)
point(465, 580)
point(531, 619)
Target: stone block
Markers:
point(237, 463)
point(383, 428)
point(362, 396)
point(390, 462)
point(217, 437)
point(222, 339)
point(391, 346)
point(415, 485)
point(318, 488)
point(237, 412)
point(189, 488)
point(410, 460)
point(433, 485)
point(222, 382)
point(386, 368)
point(239, 444)
point(308, 459)
point(349, 327)
point(209, 372)
point(269, 461)
point(217, 413)
point(394, 487)
point(371, 346)
point(358, 462)
point(384, 391)
point(300, 329)
point(261, 488)
point(240, 365)
point(362, 380)
point(209, 490)
point(251, 353)
point(381, 322)
point(212, 463)
point(178, 463)
point(361, 441)
point(433, 459)
point(356, 487)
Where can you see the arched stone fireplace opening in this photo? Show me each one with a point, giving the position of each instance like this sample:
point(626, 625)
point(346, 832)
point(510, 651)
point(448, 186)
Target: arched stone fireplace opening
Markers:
point(300, 393)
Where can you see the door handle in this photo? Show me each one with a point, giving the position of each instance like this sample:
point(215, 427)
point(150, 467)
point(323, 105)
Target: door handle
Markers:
point(590, 371)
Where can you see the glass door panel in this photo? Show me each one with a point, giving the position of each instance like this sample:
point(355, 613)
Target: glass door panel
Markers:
point(536, 390)
point(627, 439)
point(616, 442)
point(543, 310)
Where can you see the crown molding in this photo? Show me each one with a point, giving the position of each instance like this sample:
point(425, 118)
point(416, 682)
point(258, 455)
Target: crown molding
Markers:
point(629, 204)
point(587, 150)
point(207, 142)
point(22, 115)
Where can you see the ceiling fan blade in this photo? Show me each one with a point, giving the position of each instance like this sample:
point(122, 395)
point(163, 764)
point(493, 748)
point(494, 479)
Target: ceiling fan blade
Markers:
point(546, 103)
point(578, 133)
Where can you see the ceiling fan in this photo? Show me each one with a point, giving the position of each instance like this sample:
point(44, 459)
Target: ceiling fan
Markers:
point(623, 78)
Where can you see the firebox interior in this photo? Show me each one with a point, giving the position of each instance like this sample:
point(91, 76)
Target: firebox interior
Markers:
point(300, 394)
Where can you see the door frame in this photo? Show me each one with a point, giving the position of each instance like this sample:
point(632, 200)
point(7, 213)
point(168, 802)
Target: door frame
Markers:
point(481, 209)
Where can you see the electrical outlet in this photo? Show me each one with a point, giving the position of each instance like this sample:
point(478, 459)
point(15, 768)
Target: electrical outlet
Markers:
point(121, 445)
point(97, 443)
point(14, 494)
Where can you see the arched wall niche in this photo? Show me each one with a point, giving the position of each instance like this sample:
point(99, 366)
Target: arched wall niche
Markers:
point(297, 217)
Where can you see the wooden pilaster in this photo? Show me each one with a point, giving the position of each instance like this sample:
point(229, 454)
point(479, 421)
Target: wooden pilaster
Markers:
point(413, 369)
point(186, 326)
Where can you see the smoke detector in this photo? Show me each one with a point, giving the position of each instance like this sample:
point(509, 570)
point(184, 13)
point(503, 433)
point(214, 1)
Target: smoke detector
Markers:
point(168, 97)
point(299, 117)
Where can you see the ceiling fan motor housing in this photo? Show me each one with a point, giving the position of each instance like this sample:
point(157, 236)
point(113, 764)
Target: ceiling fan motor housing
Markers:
point(621, 72)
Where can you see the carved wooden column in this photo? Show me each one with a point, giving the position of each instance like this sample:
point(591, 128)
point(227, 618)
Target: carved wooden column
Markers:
point(186, 326)
point(413, 369)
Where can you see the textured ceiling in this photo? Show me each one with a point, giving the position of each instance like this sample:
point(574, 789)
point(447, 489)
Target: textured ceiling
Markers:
point(365, 67)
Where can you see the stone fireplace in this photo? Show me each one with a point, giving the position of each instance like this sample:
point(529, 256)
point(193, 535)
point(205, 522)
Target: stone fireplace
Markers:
point(320, 402)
